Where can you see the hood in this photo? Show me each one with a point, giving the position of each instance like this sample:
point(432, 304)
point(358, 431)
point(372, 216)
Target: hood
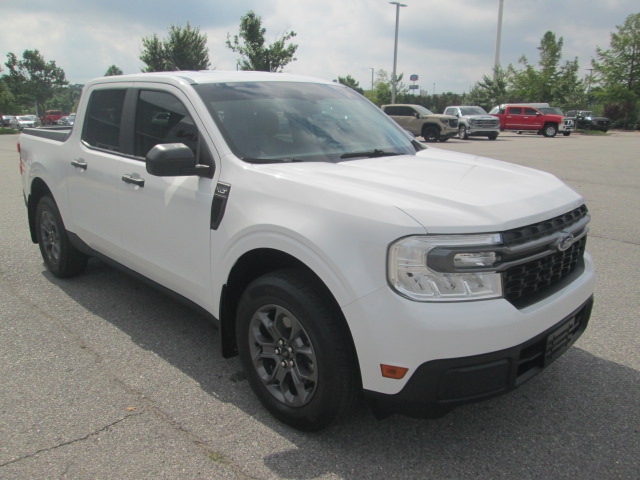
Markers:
point(445, 192)
point(480, 117)
point(439, 115)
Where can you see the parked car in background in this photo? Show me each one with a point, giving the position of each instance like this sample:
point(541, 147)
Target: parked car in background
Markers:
point(421, 121)
point(6, 120)
point(474, 121)
point(52, 116)
point(22, 121)
point(524, 118)
point(35, 119)
point(587, 120)
point(67, 120)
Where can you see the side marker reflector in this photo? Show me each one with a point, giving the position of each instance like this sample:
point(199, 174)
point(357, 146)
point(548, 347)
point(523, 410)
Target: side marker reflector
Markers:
point(390, 371)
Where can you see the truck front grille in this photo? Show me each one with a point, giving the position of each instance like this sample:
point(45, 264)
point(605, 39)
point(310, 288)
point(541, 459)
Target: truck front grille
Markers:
point(529, 279)
point(535, 262)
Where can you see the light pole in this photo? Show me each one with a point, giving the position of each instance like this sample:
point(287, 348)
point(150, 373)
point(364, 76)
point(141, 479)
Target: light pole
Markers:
point(371, 78)
point(395, 52)
point(496, 62)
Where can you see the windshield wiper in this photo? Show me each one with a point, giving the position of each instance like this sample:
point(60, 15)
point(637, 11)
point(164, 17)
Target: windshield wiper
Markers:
point(272, 160)
point(369, 154)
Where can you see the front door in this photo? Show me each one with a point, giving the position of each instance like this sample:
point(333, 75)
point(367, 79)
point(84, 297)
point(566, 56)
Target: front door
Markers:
point(166, 220)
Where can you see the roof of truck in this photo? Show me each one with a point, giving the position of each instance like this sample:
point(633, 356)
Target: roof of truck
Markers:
point(209, 76)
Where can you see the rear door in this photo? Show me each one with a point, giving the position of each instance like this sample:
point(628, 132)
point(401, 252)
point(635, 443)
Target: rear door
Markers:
point(514, 118)
point(94, 173)
point(166, 221)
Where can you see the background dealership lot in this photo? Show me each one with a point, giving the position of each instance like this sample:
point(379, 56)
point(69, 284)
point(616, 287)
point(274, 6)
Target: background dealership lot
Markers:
point(102, 377)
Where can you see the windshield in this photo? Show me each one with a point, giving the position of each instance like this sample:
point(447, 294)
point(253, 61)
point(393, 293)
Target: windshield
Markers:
point(423, 110)
point(266, 122)
point(24, 118)
point(552, 111)
point(473, 111)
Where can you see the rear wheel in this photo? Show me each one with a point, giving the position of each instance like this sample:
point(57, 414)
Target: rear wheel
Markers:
point(430, 134)
point(566, 134)
point(295, 350)
point(60, 256)
point(550, 130)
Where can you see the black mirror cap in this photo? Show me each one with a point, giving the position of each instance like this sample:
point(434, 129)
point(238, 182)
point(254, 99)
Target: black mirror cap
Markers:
point(173, 160)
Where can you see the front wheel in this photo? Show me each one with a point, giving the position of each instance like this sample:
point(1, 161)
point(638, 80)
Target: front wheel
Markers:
point(566, 134)
point(295, 350)
point(430, 134)
point(60, 256)
point(463, 133)
point(492, 136)
point(550, 130)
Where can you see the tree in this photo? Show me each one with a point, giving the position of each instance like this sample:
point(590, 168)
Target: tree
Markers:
point(112, 71)
point(185, 49)
point(617, 69)
point(32, 80)
point(352, 83)
point(254, 55)
point(491, 91)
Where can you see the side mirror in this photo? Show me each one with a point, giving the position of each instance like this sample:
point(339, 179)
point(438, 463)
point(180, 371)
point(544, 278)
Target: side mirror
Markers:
point(173, 160)
point(417, 115)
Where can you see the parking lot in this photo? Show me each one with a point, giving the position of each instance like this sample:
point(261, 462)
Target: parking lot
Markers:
point(103, 377)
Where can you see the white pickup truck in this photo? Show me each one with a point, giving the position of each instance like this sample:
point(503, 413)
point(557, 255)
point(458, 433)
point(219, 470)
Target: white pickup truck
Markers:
point(338, 255)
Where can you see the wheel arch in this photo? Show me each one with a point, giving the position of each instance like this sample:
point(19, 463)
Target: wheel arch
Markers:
point(39, 189)
point(254, 264)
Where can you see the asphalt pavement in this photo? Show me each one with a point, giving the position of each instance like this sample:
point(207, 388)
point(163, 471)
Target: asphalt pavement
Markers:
point(103, 377)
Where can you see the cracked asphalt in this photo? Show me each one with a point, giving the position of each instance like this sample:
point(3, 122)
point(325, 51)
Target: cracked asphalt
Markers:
point(103, 377)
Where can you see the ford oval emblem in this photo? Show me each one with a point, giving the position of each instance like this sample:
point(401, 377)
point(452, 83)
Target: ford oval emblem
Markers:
point(565, 242)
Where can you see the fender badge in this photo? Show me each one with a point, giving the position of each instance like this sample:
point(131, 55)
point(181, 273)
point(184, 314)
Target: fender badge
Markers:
point(565, 242)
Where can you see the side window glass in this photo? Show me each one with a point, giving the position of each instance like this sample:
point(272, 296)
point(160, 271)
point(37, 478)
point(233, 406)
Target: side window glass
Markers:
point(516, 111)
point(392, 111)
point(102, 123)
point(530, 111)
point(162, 118)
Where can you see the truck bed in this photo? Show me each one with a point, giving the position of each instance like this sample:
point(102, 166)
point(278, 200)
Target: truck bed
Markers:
point(59, 134)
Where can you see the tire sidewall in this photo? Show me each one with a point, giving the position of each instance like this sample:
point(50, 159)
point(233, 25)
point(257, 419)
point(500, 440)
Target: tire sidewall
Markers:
point(70, 261)
point(328, 401)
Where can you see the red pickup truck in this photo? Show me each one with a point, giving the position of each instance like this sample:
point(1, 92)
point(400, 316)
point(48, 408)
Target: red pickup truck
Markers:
point(51, 117)
point(524, 118)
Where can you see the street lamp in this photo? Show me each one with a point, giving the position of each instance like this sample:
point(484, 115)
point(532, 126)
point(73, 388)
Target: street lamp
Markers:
point(496, 62)
point(395, 51)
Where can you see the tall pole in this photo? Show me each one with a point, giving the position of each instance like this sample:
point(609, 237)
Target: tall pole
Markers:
point(395, 52)
point(371, 78)
point(496, 62)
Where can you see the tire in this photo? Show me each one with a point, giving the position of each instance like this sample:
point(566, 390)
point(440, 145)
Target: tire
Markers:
point(462, 132)
point(550, 130)
point(61, 258)
point(430, 134)
point(492, 136)
point(443, 139)
point(296, 351)
point(566, 134)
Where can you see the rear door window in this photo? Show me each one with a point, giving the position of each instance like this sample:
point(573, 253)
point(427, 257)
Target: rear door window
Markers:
point(102, 126)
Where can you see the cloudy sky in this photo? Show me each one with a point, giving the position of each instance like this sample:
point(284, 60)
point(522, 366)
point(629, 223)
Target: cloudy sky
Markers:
point(450, 44)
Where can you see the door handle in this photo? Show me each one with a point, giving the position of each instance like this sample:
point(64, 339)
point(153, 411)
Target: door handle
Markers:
point(137, 181)
point(79, 163)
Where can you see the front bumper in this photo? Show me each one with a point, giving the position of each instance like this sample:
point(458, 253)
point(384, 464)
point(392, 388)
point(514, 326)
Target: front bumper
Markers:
point(437, 386)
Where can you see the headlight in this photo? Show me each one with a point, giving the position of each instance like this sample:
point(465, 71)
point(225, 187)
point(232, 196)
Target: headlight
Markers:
point(445, 267)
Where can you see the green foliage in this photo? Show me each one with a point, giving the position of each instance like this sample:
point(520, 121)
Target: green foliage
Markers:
point(185, 49)
point(352, 83)
point(381, 94)
point(617, 70)
point(254, 55)
point(113, 71)
point(32, 81)
point(491, 91)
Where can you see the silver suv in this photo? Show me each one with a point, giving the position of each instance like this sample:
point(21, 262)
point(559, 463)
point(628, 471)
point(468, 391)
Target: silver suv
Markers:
point(474, 121)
